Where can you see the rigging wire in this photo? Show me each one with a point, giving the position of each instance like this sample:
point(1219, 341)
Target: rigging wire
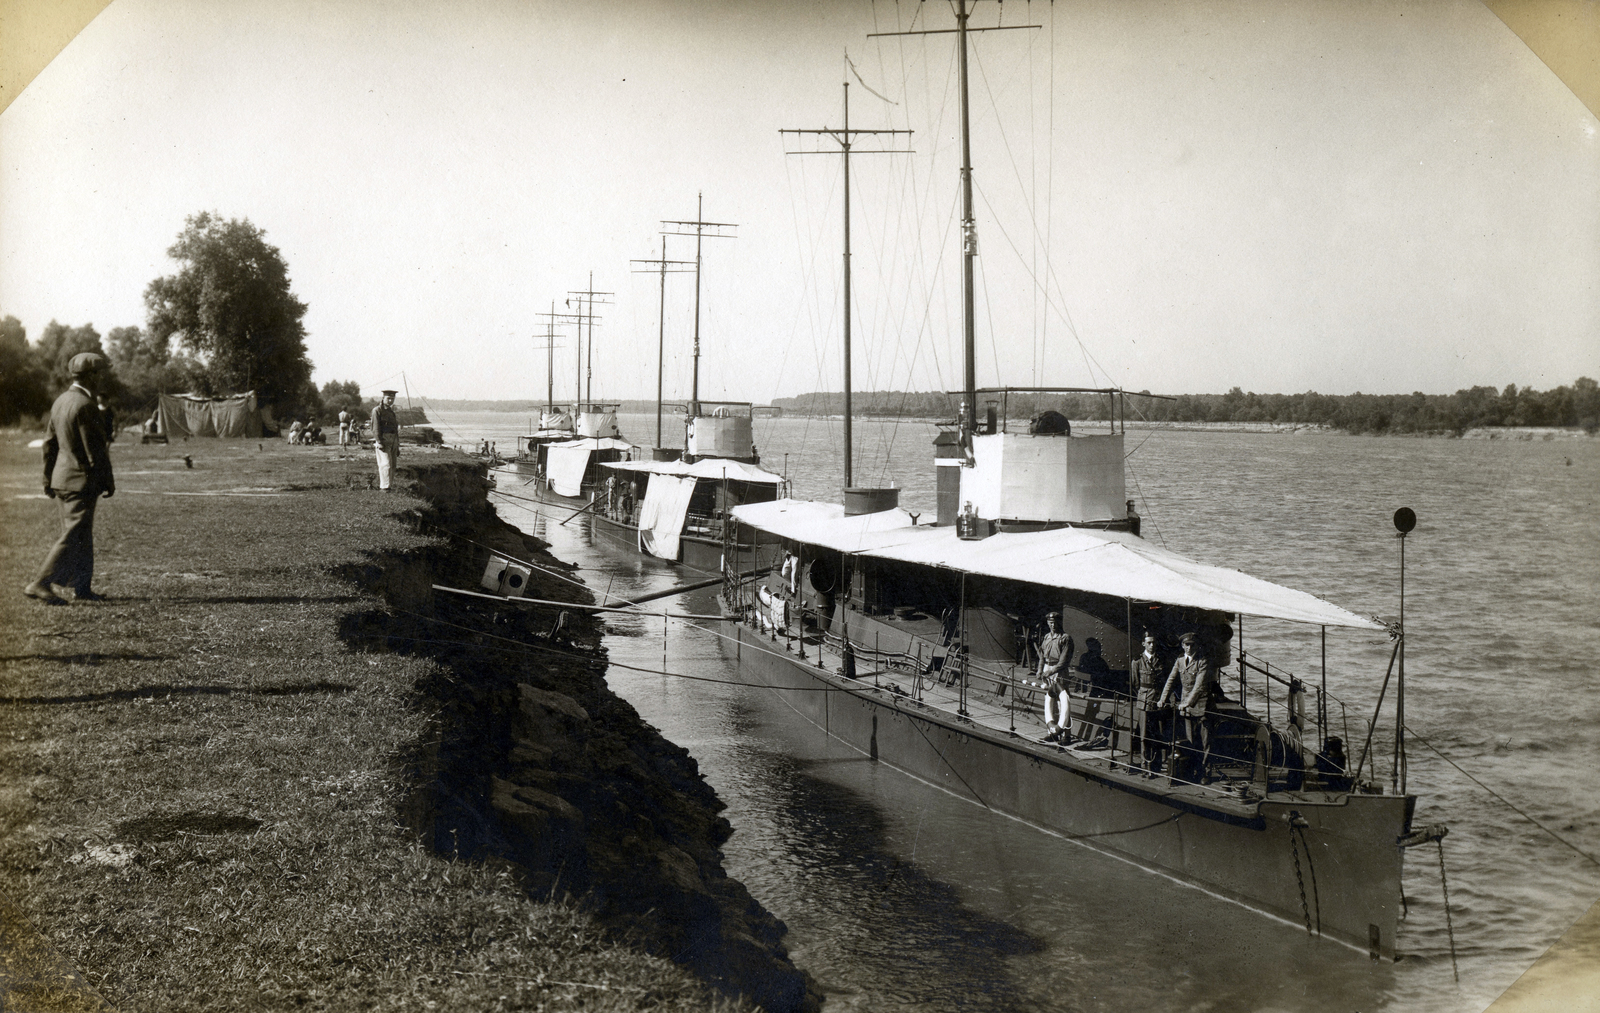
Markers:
point(1501, 798)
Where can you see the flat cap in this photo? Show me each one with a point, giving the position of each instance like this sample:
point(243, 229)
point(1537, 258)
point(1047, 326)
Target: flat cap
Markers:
point(84, 363)
point(391, 393)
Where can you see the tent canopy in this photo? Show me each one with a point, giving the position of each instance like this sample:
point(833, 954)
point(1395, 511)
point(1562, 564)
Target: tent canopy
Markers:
point(1113, 563)
point(181, 415)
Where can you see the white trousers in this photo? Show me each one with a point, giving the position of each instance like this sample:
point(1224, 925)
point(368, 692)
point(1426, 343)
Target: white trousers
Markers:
point(1050, 703)
point(388, 450)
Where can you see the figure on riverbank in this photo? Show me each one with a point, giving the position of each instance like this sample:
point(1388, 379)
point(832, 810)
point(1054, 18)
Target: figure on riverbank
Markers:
point(77, 472)
point(344, 427)
point(1055, 660)
point(386, 438)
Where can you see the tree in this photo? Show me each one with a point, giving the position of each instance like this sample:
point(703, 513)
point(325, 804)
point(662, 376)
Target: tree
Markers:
point(340, 396)
point(24, 382)
point(232, 306)
point(147, 367)
point(59, 343)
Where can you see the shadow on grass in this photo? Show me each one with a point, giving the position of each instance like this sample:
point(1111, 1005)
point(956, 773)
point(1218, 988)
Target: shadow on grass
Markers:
point(153, 692)
point(241, 599)
point(167, 828)
point(90, 658)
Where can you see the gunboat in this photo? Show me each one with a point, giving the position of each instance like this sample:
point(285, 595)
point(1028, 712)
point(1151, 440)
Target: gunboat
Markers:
point(916, 645)
point(677, 508)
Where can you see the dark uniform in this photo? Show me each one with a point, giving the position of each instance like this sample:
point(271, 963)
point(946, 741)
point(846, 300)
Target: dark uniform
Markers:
point(77, 472)
point(386, 438)
point(1146, 677)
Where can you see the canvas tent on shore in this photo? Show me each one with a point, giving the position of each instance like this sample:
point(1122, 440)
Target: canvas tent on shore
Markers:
point(181, 415)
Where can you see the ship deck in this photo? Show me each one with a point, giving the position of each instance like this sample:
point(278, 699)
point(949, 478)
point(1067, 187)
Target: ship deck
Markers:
point(1231, 792)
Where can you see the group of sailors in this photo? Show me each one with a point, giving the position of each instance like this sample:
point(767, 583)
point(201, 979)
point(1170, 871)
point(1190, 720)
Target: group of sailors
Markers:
point(617, 499)
point(306, 433)
point(1172, 716)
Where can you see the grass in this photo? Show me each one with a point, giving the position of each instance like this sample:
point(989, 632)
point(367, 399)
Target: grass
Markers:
point(201, 783)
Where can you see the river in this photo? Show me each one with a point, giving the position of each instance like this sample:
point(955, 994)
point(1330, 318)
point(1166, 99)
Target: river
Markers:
point(900, 897)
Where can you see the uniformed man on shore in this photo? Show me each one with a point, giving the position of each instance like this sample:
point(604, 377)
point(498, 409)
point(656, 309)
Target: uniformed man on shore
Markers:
point(386, 438)
point(77, 472)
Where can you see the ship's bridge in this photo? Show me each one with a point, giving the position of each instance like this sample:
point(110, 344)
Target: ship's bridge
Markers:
point(1038, 473)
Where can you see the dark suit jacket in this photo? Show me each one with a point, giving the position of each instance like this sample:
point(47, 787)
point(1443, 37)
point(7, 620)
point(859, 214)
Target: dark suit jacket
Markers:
point(76, 455)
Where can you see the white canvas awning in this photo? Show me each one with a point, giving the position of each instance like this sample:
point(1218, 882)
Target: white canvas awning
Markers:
point(661, 515)
point(566, 462)
point(1101, 562)
point(706, 467)
point(826, 525)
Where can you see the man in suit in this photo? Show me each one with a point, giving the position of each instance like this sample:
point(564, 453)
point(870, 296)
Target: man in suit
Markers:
point(1194, 680)
point(1146, 672)
point(77, 472)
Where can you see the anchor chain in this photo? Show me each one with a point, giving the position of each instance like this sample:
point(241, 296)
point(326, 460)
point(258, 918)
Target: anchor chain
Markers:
point(1294, 849)
point(1311, 866)
point(1444, 881)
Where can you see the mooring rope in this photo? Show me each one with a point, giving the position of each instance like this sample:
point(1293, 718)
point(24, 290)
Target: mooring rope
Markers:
point(1503, 800)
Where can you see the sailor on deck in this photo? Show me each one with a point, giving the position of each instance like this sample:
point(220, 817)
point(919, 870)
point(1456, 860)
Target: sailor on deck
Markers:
point(1055, 660)
point(386, 438)
point(1195, 679)
point(1146, 679)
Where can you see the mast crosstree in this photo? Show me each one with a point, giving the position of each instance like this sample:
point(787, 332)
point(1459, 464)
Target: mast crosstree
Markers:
point(969, 224)
point(700, 226)
point(586, 304)
point(665, 267)
point(843, 136)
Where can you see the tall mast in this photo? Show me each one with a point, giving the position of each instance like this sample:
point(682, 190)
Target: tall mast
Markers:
point(661, 337)
point(843, 137)
point(969, 240)
point(694, 388)
point(586, 304)
point(566, 318)
point(700, 226)
point(849, 438)
point(969, 225)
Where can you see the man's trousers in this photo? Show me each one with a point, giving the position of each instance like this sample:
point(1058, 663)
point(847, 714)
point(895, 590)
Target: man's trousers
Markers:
point(70, 562)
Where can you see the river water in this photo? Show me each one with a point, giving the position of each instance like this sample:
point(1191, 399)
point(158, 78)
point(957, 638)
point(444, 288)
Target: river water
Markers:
point(900, 897)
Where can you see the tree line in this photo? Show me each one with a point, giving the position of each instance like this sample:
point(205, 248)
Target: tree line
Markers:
point(1570, 405)
point(226, 322)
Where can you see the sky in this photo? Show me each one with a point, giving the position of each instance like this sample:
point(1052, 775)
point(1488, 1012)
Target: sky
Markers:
point(1170, 196)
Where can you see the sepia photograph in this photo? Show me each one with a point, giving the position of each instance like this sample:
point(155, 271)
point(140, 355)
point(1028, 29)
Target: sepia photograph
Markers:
point(875, 505)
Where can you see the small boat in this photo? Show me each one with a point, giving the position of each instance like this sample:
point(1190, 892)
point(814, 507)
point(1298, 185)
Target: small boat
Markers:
point(561, 461)
point(920, 645)
point(675, 505)
point(677, 508)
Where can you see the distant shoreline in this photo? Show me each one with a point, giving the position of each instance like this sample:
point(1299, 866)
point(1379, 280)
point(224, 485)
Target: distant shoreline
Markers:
point(1517, 434)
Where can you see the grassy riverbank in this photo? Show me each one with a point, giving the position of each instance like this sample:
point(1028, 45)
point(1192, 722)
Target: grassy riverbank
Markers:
point(204, 785)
